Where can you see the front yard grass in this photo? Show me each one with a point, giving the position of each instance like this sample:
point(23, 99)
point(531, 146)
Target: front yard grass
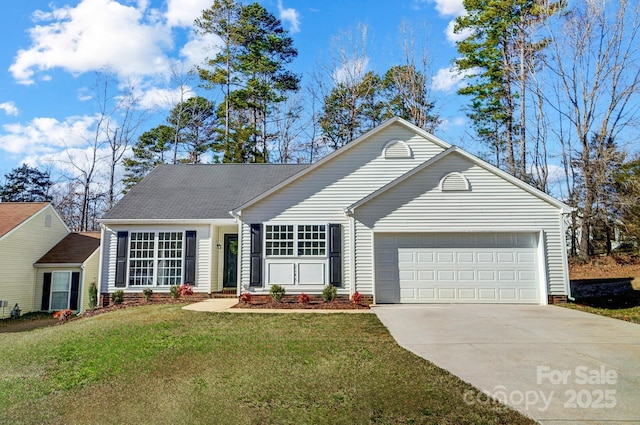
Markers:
point(624, 306)
point(163, 365)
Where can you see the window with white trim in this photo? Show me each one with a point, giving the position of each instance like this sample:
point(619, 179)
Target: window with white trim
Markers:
point(169, 258)
point(155, 258)
point(279, 240)
point(312, 239)
point(302, 240)
point(60, 290)
point(141, 255)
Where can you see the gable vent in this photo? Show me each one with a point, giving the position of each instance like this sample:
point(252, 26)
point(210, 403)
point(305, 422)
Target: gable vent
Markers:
point(396, 149)
point(454, 182)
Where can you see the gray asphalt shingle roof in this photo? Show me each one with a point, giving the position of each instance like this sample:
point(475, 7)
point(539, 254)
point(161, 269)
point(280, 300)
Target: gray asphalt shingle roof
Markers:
point(198, 191)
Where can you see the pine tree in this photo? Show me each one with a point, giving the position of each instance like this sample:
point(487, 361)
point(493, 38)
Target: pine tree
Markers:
point(26, 184)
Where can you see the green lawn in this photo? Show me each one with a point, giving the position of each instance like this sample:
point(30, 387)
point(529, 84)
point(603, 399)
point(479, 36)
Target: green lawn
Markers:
point(623, 306)
point(162, 365)
point(631, 314)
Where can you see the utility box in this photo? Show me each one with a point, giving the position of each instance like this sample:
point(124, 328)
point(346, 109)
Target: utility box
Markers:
point(3, 303)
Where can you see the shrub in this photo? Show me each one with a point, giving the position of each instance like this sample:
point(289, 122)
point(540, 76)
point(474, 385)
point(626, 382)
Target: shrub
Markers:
point(147, 292)
point(329, 293)
point(173, 290)
point(93, 295)
point(356, 298)
point(118, 296)
point(277, 292)
point(185, 289)
point(245, 297)
point(303, 298)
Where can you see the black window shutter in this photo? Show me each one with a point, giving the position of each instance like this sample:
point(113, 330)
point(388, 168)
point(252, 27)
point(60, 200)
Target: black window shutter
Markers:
point(121, 259)
point(255, 266)
point(75, 289)
point(46, 291)
point(190, 257)
point(335, 254)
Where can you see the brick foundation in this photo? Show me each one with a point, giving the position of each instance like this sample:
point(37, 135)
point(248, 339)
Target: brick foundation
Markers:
point(365, 300)
point(138, 298)
point(557, 299)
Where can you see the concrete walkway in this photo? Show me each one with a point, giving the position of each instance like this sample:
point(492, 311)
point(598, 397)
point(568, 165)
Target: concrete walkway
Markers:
point(556, 365)
point(218, 305)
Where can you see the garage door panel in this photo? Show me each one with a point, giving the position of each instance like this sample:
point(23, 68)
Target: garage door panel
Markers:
point(406, 257)
point(426, 275)
point(467, 294)
point(460, 268)
point(425, 257)
point(487, 294)
point(426, 294)
point(466, 276)
point(465, 257)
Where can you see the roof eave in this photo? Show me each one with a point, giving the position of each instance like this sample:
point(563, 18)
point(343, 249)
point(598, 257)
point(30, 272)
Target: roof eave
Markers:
point(138, 221)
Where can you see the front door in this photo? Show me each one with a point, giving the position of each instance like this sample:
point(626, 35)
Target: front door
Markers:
point(230, 261)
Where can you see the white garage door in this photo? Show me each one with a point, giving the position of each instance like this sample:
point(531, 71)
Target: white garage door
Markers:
point(457, 268)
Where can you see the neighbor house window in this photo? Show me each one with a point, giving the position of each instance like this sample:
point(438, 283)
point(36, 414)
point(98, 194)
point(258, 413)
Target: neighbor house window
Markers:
point(299, 240)
point(60, 287)
point(169, 258)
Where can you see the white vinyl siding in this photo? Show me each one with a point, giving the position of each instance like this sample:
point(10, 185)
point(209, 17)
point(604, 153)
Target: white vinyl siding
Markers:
point(21, 249)
point(492, 204)
point(324, 192)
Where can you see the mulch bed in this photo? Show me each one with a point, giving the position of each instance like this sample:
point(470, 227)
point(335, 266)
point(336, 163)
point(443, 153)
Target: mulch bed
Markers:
point(319, 305)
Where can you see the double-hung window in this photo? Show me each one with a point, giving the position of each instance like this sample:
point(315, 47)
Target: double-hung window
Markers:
point(60, 289)
point(302, 240)
point(155, 258)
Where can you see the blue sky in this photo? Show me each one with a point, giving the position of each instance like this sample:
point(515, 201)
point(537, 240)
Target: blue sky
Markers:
point(51, 50)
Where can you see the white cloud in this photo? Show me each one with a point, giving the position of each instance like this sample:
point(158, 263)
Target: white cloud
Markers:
point(157, 98)
point(291, 16)
point(449, 79)
point(455, 37)
point(198, 49)
point(46, 135)
point(452, 123)
point(182, 13)
point(92, 35)
point(449, 8)
point(351, 72)
point(9, 108)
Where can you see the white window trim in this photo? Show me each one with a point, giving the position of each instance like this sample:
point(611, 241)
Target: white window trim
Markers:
point(155, 258)
point(70, 274)
point(295, 241)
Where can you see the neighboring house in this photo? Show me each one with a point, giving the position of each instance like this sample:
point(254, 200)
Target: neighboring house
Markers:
point(65, 273)
point(398, 215)
point(27, 231)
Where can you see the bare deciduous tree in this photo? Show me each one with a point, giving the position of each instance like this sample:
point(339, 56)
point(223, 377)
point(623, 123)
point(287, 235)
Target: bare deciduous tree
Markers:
point(596, 64)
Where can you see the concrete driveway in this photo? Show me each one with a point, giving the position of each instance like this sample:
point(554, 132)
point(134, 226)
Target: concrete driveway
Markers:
point(556, 365)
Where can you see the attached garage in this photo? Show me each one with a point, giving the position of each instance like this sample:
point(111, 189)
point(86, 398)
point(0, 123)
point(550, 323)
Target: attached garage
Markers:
point(458, 268)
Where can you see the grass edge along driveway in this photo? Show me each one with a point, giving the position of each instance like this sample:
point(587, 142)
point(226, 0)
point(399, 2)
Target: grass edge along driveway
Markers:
point(163, 365)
